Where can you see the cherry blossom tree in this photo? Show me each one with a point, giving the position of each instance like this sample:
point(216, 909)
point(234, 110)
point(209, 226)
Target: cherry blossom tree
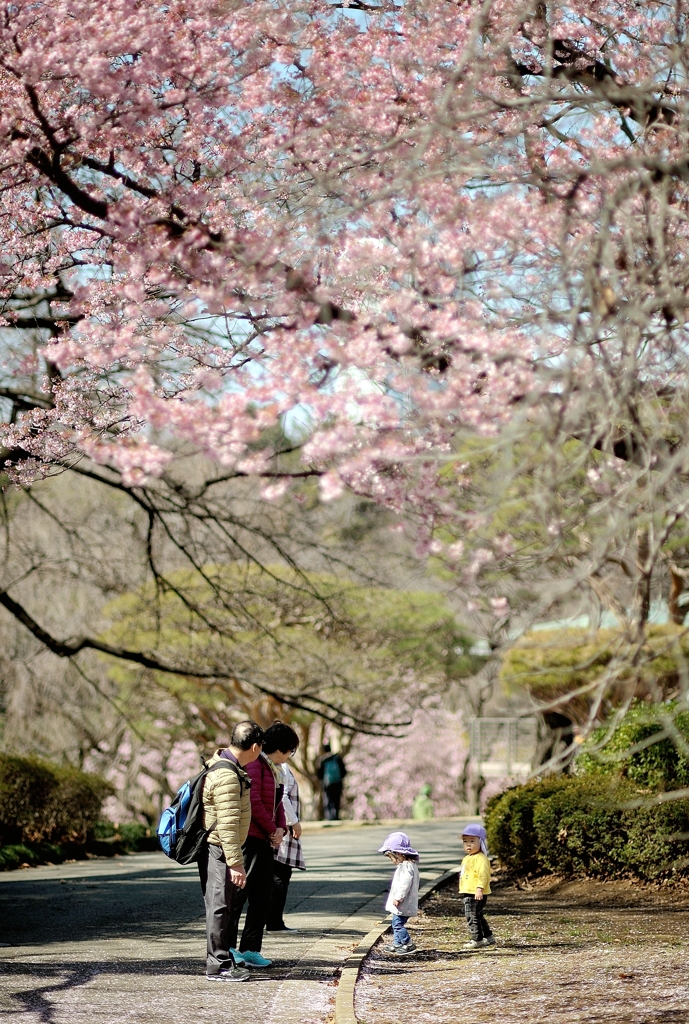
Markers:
point(224, 214)
point(404, 233)
point(384, 775)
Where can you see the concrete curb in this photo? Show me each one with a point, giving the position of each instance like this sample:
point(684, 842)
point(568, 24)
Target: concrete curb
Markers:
point(344, 1001)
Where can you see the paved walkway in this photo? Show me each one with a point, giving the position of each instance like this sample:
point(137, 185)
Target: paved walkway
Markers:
point(122, 941)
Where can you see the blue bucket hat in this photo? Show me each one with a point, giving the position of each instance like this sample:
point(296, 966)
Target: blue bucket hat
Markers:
point(398, 842)
point(480, 833)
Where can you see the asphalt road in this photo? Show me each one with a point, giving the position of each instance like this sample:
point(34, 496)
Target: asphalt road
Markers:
point(123, 940)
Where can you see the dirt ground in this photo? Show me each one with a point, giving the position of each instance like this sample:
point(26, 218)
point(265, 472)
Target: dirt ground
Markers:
point(599, 952)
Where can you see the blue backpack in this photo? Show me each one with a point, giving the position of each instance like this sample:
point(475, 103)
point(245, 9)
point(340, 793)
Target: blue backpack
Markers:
point(180, 830)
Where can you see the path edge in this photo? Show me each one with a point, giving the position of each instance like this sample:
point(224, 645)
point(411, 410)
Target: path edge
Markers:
point(344, 1001)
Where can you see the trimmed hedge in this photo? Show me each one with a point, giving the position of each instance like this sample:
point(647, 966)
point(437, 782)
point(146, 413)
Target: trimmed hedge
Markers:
point(583, 825)
point(510, 825)
point(131, 837)
point(128, 837)
point(46, 803)
point(14, 856)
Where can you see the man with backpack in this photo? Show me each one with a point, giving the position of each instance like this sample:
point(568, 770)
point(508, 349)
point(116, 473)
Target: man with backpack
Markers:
point(268, 826)
point(331, 771)
point(227, 816)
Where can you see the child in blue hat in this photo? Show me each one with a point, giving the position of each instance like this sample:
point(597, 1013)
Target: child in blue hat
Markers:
point(474, 886)
point(403, 901)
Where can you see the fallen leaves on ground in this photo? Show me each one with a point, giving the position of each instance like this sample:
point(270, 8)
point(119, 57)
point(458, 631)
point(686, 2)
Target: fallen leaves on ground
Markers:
point(569, 952)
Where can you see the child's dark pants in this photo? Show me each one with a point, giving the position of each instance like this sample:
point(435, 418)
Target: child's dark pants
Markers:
point(473, 911)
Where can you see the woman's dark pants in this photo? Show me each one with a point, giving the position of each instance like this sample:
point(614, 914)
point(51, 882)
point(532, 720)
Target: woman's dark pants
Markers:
point(473, 911)
point(258, 864)
point(282, 874)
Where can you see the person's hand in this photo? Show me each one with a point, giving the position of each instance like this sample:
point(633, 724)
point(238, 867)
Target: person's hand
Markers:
point(277, 837)
point(238, 876)
point(296, 829)
point(396, 903)
point(478, 896)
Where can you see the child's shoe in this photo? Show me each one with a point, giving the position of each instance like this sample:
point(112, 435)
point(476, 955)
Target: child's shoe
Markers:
point(473, 944)
point(400, 950)
point(488, 941)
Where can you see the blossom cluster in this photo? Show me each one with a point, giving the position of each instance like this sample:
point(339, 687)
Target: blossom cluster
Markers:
point(218, 219)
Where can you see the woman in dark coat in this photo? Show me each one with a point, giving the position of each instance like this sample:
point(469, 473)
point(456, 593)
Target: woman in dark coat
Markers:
point(266, 832)
point(289, 854)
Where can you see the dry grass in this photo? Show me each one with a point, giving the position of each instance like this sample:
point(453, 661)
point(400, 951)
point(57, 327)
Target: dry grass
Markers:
point(574, 952)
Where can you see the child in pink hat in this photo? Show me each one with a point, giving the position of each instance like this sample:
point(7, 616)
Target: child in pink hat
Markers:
point(403, 901)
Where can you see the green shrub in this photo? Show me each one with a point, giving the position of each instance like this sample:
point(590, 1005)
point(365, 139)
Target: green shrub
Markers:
point(76, 804)
point(104, 829)
point(509, 822)
point(16, 854)
point(42, 802)
point(587, 825)
point(52, 813)
point(51, 853)
point(656, 839)
point(658, 766)
point(27, 787)
point(581, 828)
point(132, 835)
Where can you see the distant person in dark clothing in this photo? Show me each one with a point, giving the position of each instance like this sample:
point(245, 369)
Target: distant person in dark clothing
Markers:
point(331, 772)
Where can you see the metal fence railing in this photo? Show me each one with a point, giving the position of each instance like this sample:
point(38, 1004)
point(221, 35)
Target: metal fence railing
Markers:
point(503, 747)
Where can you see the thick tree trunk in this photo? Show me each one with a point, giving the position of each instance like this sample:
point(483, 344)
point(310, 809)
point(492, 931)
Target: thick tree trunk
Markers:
point(677, 610)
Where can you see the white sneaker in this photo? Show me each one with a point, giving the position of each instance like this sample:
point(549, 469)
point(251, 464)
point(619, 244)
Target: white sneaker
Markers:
point(230, 974)
point(473, 944)
point(488, 941)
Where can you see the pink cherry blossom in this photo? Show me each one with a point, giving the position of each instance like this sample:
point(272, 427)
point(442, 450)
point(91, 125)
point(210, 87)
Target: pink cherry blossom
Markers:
point(398, 228)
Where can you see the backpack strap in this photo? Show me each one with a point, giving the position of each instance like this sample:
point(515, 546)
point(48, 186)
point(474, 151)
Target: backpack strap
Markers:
point(241, 775)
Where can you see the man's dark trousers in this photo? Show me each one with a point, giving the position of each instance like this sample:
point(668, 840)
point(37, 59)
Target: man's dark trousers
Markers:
point(220, 897)
point(258, 864)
